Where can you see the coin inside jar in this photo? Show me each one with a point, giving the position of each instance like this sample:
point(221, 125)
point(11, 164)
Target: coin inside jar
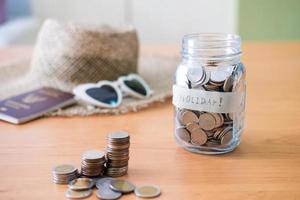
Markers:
point(183, 134)
point(195, 74)
point(187, 117)
point(122, 186)
point(207, 121)
point(228, 84)
point(77, 194)
point(227, 137)
point(81, 184)
point(219, 75)
point(219, 119)
point(198, 137)
point(191, 126)
point(147, 191)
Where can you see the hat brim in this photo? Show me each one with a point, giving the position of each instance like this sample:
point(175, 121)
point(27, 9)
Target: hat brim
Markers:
point(157, 70)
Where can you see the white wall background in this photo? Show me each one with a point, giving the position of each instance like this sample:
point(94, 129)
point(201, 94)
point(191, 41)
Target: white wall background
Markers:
point(168, 20)
point(157, 21)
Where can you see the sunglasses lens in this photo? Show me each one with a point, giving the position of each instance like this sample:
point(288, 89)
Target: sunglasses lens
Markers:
point(105, 94)
point(136, 86)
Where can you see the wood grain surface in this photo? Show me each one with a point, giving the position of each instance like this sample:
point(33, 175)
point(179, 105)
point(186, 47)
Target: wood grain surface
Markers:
point(266, 165)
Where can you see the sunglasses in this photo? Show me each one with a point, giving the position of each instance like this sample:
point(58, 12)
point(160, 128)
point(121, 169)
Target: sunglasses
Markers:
point(109, 94)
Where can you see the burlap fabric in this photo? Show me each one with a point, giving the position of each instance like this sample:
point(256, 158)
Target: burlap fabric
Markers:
point(66, 55)
point(77, 53)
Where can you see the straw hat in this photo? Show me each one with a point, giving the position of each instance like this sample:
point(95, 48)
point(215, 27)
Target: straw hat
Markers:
point(68, 54)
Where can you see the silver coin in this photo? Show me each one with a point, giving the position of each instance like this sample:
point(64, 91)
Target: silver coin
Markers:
point(228, 84)
point(122, 186)
point(103, 182)
point(227, 137)
point(105, 192)
point(207, 77)
point(196, 74)
point(64, 169)
point(228, 133)
point(81, 184)
point(93, 155)
point(108, 194)
point(118, 135)
point(77, 194)
point(219, 75)
point(147, 191)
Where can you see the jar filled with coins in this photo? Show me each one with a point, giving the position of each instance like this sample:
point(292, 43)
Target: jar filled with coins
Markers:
point(209, 93)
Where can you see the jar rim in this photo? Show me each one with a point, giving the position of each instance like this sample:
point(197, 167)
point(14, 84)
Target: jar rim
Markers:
point(211, 45)
point(214, 36)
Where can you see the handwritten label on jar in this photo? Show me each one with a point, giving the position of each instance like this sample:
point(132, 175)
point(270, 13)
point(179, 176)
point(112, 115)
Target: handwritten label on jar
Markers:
point(208, 101)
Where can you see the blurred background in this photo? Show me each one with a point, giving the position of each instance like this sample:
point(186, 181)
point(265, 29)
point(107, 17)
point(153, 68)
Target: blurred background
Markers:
point(157, 21)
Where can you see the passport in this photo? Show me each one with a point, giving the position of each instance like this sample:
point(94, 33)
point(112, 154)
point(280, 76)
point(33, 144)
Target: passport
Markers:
point(33, 104)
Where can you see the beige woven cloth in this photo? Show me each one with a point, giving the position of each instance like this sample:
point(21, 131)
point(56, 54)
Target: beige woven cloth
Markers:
point(66, 55)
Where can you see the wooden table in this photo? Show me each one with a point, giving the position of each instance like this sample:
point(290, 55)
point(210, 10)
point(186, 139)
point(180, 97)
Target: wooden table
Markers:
point(266, 165)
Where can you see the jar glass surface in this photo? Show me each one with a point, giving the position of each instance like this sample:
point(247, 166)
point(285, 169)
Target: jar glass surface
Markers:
point(209, 94)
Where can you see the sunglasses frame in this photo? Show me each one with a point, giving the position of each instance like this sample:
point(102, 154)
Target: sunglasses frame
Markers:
point(130, 91)
point(119, 86)
point(80, 91)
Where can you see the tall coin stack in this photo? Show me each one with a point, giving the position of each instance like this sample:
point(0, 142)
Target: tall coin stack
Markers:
point(92, 163)
point(63, 174)
point(117, 154)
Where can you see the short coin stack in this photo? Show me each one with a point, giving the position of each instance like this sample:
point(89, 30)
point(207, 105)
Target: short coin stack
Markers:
point(117, 153)
point(63, 174)
point(92, 164)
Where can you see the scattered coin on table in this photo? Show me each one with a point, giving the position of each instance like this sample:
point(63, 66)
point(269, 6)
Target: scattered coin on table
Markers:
point(78, 194)
point(147, 191)
point(122, 186)
point(81, 184)
point(107, 194)
point(104, 191)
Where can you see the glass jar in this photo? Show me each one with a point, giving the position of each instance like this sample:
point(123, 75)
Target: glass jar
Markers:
point(209, 94)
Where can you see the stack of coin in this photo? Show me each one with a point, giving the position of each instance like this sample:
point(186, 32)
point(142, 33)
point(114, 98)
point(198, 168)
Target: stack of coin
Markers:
point(92, 164)
point(204, 128)
point(117, 154)
point(63, 174)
